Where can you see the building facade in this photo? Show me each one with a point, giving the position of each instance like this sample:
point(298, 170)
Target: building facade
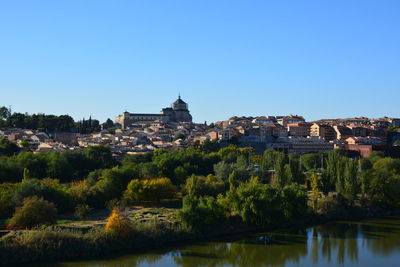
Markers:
point(177, 113)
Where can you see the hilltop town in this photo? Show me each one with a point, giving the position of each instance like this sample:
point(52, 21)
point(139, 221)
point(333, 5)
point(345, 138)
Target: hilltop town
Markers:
point(172, 128)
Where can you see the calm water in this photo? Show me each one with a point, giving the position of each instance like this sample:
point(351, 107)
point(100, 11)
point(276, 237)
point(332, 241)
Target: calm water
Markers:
point(366, 243)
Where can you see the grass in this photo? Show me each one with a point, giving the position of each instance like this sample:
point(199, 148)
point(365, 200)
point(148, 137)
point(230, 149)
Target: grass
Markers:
point(64, 221)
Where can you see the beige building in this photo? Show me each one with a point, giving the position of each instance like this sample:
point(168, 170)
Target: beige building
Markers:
point(323, 130)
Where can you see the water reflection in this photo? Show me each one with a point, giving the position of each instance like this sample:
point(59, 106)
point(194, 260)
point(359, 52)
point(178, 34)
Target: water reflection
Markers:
point(339, 243)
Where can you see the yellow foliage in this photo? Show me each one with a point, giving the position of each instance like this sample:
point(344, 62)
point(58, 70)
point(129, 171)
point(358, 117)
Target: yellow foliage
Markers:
point(118, 224)
point(150, 190)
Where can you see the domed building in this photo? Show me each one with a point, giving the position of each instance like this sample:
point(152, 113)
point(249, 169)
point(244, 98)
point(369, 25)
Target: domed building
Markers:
point(178, 112)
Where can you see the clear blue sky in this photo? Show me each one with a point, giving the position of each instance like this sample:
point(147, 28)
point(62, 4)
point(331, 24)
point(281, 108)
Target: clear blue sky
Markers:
point(319, 59)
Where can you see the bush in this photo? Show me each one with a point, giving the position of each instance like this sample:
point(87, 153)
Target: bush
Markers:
point(330, 205)
point(82, 211)
point(384, 188)
point(113, 181)
point(204, 186)
point(150, 190)
point(118, 225)
point(198, 212)
point(255, 202)
point(293, 201)
point(34, 211)
point(48, 189)
point(6, 205)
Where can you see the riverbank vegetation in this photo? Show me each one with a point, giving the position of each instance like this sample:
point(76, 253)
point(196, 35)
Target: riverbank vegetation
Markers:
point(214, 191)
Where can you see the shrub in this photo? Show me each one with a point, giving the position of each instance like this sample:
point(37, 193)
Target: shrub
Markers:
point(329, 205)
point(113, 203)
point(34, 211)
point(198, 212)
point(113, 181)
point(204, 186)
point(118, 225)
point(82, 211)
point(384, 188)
point(293, 201)
point(79, 191)
point(255, 202)
point(6, 205)
point(48, 189)
point(150, 190)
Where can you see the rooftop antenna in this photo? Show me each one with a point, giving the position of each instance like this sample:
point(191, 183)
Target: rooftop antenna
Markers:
point(179, 95)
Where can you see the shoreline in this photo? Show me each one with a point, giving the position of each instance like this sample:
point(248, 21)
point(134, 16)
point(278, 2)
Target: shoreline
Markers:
point(144, 241)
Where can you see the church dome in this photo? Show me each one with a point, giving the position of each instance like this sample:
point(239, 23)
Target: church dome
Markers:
point(179, 104)
point(179, 101)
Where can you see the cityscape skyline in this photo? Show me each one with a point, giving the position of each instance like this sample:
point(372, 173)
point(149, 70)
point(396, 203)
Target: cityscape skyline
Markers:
point(318, 60)
point(114, 118)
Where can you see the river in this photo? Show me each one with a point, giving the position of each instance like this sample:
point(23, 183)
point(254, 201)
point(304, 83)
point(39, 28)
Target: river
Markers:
point(361, 243)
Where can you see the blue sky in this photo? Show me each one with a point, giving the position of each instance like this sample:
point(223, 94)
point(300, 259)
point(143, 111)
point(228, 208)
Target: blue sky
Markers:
point(319, 59)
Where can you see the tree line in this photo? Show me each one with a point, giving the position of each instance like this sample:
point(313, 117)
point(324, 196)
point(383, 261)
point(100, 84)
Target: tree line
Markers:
point(215, 186)
point(48, 123)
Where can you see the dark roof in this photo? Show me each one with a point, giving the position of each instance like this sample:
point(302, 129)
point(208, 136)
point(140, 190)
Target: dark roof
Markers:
point(179, 101)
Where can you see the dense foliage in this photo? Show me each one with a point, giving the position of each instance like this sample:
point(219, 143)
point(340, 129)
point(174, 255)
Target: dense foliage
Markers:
point(34, 211)
point(216, 185)
point(150, 190)
point(48, 123)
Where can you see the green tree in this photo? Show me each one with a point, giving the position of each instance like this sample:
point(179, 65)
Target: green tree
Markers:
point(315, 183)
point(204, 186)
point(99, 157)
point(7, 148)
point(387, 164)
point(49, 189)
point(351, 181)
point(199, 212)
point(4, 113)
point(384, 188)
point(150, 190)
point(310, 161)
point(58, 166)
point(34, 211)
point(109, 123)
point(293, 201)
point(295, 171)
point(280, 175)
point(255, 202)
point(222, 170)
point(6, 204)
point(113, 182)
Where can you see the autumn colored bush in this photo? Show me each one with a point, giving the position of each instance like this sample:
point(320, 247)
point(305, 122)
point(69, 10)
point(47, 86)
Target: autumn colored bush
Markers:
point(118, 224)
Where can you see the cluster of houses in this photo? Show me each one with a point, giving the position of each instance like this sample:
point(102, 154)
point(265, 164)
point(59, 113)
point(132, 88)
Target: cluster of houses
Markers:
point(36, 140)
point(289, 133)
point(293, 134)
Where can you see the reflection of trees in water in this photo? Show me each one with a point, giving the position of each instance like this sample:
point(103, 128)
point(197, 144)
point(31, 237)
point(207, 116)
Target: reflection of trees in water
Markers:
point(332, 242)
point(339, 237)
point(266, 250)
point(382, 236)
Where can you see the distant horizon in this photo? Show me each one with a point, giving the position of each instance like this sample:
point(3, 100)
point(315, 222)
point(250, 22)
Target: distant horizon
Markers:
point(318, 59)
